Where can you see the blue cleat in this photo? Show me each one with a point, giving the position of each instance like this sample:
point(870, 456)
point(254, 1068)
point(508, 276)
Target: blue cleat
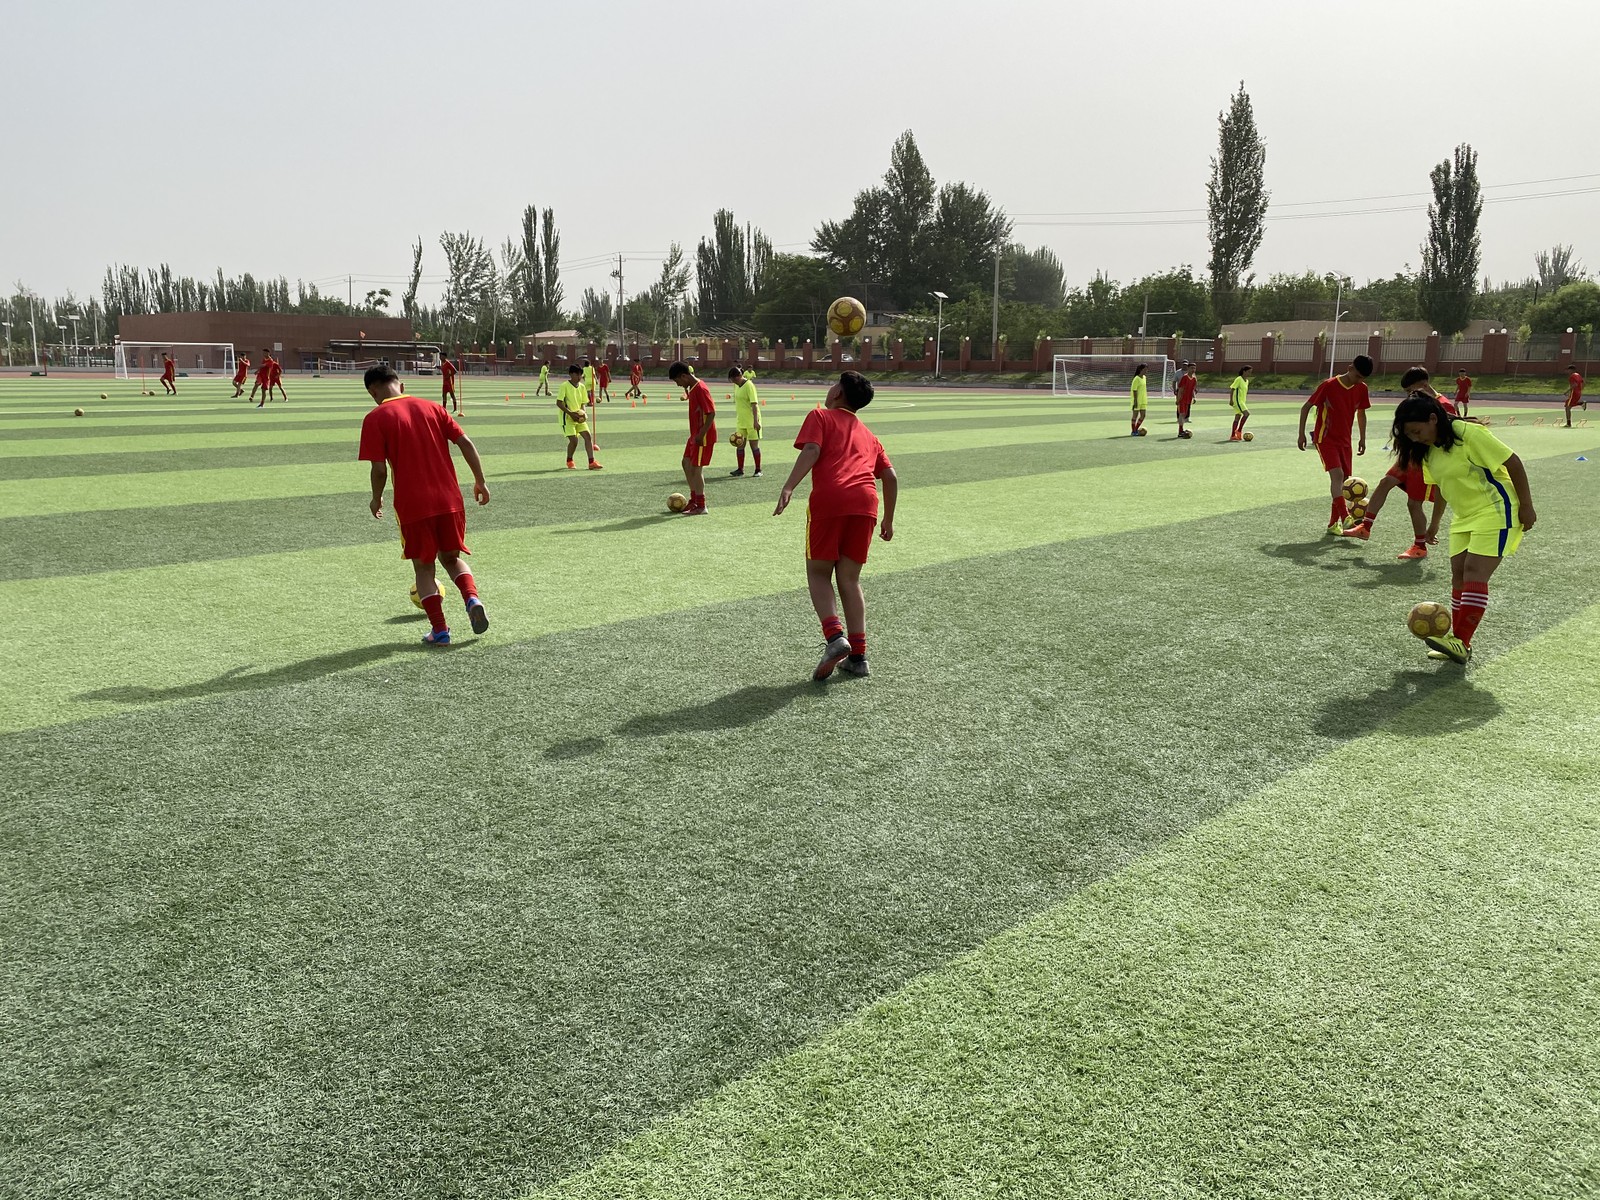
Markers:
point(441, 638)
point(478, 615)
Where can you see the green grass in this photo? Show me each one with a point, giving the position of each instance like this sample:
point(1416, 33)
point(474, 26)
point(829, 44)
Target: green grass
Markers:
point(1153, 859)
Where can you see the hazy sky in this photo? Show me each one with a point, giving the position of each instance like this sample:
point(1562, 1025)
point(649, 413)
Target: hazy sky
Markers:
point(319, 140)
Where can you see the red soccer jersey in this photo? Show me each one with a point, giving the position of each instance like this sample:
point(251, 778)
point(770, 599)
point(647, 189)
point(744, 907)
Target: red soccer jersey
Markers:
point(276, 368)
point(1337, 407)
point(842, 482)
point(700, 404)
point(241, 370)
point(1575, 380)
point(1185, 389)
point(448, 370)
point(635, 373)
point(413, 436)
point(1463, 388)
point(603, 375)
point(1448, 405)
point(169, 369)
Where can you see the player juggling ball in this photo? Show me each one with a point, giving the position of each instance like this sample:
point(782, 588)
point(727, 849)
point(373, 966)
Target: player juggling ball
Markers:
point(845, 461)
point(414, 436)
point(1486, 487)
point(1424, 532)
point(1340, 402)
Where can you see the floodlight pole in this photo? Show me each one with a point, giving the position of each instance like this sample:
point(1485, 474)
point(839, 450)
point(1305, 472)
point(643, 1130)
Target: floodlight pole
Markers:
point(33, 328)
point(938, 332)
point(994, 324)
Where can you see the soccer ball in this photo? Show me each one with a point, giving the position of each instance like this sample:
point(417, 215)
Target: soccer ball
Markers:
point(1358, 509)
point(736, 440)
point(677, 502)
point(1184, 433)
point(1428, 619)
point(847, 316)
point(1144, 433)
point(1249, 437)
point(102, 395)
point(77, 412)
point(415, 599)
point(1355, 488)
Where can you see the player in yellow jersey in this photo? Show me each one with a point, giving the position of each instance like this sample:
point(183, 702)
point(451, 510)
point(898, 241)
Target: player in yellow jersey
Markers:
point(574, 420)
point(588, 379)
point(544, 380)
point(747, 419)
point(1140, 394)
point(1239, 401)
point(1486, 487)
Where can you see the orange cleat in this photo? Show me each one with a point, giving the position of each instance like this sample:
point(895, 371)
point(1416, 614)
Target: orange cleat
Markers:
point(594, 466)
point(570, 467)
point(1415, 550)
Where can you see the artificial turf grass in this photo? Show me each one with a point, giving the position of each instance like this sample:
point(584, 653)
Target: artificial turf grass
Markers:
point(272, 948)
point(1376, 977)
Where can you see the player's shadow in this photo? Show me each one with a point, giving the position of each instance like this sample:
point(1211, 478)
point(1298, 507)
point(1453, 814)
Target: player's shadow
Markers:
point(1310, 554)
point(1380, 575)
point(621, 526)
point(1403, 703)
point(733, 711)
point(406, 618)
point(244, 679)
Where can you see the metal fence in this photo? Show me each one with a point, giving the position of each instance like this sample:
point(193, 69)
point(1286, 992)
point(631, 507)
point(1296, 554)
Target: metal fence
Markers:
point(1400, 353)
point(1295, 349)
point(1539, 347)
point(1465, 350)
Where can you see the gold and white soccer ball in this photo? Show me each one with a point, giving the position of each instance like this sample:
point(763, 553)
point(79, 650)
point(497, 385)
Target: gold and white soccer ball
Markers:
point(677, 502)
point(1429, 619)
point(1358, 509)
point(1355, 488)
point(847, 316)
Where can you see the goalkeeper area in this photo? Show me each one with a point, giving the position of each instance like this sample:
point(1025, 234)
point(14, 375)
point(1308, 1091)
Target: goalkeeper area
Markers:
point(1109, 374)
point(192, 358)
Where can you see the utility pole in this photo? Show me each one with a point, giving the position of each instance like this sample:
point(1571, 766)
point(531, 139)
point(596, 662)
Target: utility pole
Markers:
point(994, 326)
point(622, 321)
point(350, 290)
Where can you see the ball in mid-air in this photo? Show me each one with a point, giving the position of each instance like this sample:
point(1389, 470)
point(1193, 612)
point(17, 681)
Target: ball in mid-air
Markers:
point(677, 502)
point(1358, 509)
point(1355, 488)
point(847, 316)
point(77, 412)
point(1249, 437)
point(1428, 619)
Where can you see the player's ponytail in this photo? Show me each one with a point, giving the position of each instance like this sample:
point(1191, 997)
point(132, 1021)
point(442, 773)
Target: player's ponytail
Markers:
point(1415, 409)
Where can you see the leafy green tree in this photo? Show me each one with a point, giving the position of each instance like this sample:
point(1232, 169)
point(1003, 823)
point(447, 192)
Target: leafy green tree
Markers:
point(731, 267)
point(1452, 255)
point(1570, 307)
point(1236, 205)
point(794, 301)
point(1185, 298)
point(1506, 304)
point(408, 298)
point(1396, 296)
point(1098, 309)
point(1033, 276)
point(470, 283)
point(1274, 300)
point(1557, 267)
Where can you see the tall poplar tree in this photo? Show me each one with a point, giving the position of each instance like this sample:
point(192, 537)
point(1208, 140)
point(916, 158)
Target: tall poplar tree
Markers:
point(1236, 205)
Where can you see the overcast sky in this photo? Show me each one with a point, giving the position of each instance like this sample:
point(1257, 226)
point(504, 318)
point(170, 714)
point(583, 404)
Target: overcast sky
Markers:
point(315, 140)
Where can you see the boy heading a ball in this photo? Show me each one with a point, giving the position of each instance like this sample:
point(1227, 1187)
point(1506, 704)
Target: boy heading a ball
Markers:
point(1340, 403)
point(845, 461)
point(414, 436)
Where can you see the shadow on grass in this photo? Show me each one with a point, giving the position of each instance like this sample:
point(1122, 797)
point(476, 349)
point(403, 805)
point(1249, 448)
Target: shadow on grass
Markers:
point(243, 679)
point(733, 711)
point(1310, 554)
point(622, 526)
point(406, 618)
point(1403, 700)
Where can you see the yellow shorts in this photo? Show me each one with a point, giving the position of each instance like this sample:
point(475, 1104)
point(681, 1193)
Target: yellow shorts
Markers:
point(574, 428)
point(750, 432)
point(1490, 543)
point(1141, 407)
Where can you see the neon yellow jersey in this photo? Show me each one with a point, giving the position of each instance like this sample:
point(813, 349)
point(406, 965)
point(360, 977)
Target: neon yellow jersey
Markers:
point(588, 379)
point(1239, 394)
point(745, 404)
point(1140, 392)
point(544, 372)
point(1472, 478)
point(572, 397)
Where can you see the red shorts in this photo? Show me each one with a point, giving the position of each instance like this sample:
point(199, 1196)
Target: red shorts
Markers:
point(450, 386)
point(1411, 482)
point(702, 454)
point(1183, 408)
point(1574, 401)
point(828, 539)
point(1336, 457)
point(432, 536)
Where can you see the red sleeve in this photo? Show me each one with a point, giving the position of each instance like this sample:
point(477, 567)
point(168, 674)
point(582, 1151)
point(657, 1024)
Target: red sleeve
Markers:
point(372, 441)
point(452, 430)
point(882, 464)
point(810, 430)
point(1365, 400)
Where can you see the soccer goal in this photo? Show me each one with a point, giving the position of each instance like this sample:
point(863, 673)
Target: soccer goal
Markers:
point(1110, 374)
point(192, 358)
point(328, 366)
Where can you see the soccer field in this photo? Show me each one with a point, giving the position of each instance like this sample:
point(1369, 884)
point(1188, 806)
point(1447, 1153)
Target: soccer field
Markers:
point(1154, 859)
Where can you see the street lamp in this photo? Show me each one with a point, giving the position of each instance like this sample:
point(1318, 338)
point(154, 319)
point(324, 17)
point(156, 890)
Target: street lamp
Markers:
point(938, 333)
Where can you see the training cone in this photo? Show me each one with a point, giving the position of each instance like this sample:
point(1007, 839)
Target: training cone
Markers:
point(633, 404)
point(524, 395)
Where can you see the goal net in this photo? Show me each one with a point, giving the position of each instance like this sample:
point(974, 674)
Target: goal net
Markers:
point(1110, 374)
point(192, 358)
point(327, 366)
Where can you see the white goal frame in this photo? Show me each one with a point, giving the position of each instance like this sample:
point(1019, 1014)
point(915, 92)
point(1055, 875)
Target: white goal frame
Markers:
point(1110, 374)
point(184, 354)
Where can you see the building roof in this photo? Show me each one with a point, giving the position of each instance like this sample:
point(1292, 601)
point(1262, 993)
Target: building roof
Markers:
point(553, 335)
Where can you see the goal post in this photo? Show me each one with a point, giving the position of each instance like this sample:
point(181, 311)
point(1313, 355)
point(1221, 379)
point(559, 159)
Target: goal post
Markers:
point(1109, 374)
point(192, 358)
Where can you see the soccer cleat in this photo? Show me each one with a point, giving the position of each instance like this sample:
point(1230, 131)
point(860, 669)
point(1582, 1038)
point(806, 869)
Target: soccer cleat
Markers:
point(1361, 529)
point(1438, 656)
point(757, 475)
point(594, 466)
point(835, 652)
point(695, 510)
point(856, 666)
point(1451, 647)
point(441, 638)
point(740, 471)
point(570, 467)
point(1336, 529)
point(1415, 550)
point(478, 615)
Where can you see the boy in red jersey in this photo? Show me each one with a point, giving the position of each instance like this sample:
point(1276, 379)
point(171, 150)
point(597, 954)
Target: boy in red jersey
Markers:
point(1185, 391)
point(844, 460)
point(1340, 402)
point(1409, 477)
point(1463, 391)
point(415, 437)
point(169, 377)
point(276, 379)
point(263, 378)
point(447, 372)
point(1574, 394)
point(635, 378)
point(702, 441)
point(602, 379)
point(241, 371)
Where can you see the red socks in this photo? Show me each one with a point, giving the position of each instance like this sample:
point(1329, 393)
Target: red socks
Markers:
point(434, 606)
point(1473, 604)
point(469, 589)
point(858, 645)
point(832, 627)
point(1339, 511)
point(738, 455)
point(755, 452)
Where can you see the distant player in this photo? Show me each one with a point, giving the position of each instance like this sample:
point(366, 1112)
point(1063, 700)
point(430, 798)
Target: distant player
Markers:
point(1425, 532)
point(1239, 401)
point(1340, 403)
point(413, 436)
point(635, 381)
point(1185, 394)
point(844, 460)
point(544, 380)
point(1486, 487)
point(574, 418)
point(169, 376)
point(1575, 394)
point(702, 443)
point(602, 381)
point(263, 378)
point(746, 420)
point(447, 396)
point(241, 372)
point(588, 379)
point(1138, 391)
point(275, 380)
point(1463, 391)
